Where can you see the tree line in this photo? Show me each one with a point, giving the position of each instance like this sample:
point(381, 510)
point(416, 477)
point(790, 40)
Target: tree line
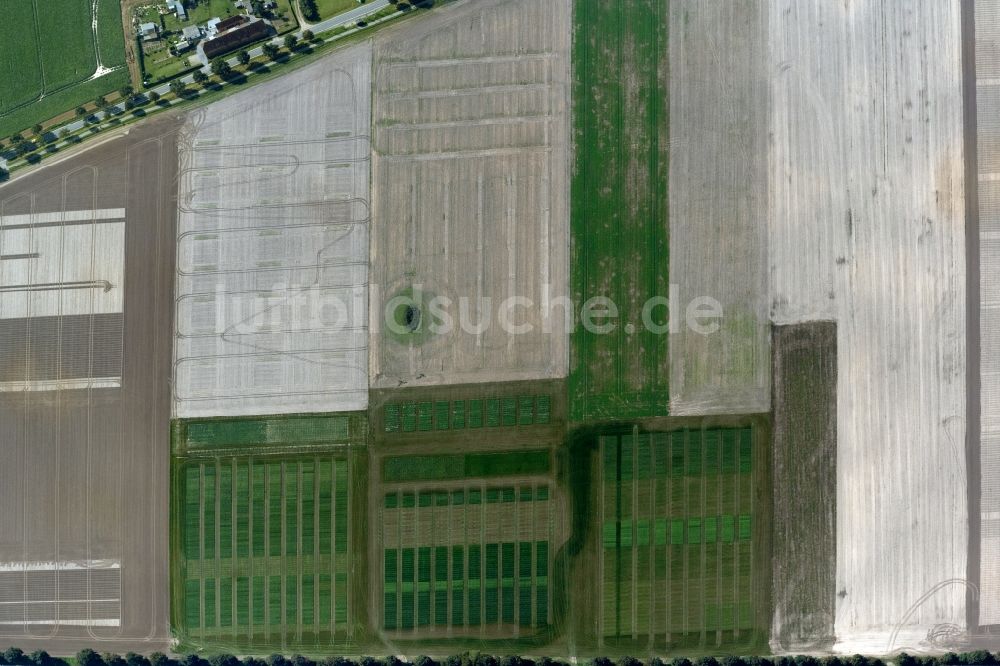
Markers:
point(15, 657)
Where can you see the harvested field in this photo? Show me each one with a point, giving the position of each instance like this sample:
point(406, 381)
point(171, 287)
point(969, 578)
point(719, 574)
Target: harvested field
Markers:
point(273, 246)
point(83, 485)
point(619, 205)
point(265, 551)
point(867, 143)
point(470, 186)
point(680, 562)
point(468, 557)
point(719, 94)
point(987, 57)
point(805, 486)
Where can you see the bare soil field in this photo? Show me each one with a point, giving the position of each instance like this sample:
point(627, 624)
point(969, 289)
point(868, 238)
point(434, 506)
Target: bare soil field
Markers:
point(719, 92)
point(470, 190)
point(868, 229)
point(272, 271)
point(987, 95)
point(83, 532)
point(805, 485)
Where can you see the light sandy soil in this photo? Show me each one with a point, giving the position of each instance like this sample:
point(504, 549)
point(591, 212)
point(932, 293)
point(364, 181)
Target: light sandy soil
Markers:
point(987, 19)
point(719, 110)
point(867, 228)
point(471, 187)
point(272, 249)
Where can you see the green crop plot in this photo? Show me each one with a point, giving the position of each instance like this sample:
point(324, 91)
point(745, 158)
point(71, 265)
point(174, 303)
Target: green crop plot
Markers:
point(465, 466)
point(262, 546)
point(473, 559)
point(468, 528)
point(299, 431)
point(678, 530)
point(618, 218)
point(266, 551)
point(50, 54)
point(488, 412)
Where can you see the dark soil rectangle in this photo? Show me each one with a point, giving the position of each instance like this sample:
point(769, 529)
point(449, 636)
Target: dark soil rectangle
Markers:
point(805, 484)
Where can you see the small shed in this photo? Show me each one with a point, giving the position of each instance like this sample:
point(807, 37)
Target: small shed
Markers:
point(177, 7)
point(149, 32)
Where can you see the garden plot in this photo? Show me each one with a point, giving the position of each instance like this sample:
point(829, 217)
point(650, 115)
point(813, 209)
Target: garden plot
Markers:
point(867, 229)
point(470, 191)
point(272, 271)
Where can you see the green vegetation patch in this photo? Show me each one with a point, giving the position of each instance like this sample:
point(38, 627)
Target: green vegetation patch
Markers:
point(486, 584)
point(262, 550)
point(618, 219)
point(49, 56)
point(490, 412)
point(399, 469)
point(110, 38)
point(328, 8)
point(196, 435)
point(20, 64)
point(676, 512)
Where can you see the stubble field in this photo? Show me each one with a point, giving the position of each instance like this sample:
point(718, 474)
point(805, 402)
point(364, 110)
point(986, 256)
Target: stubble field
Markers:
point(469, 167)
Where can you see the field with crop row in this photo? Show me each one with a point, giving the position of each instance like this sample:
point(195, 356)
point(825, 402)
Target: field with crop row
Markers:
point(50, 55)
point(618, 212)
point(469, 557)
point(677, 556)
point(265, 550)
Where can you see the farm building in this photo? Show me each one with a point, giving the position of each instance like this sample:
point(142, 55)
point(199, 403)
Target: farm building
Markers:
point(229, 23)
point(233, 39)
point(149, 32)
point(177, 7)
point(191, 33)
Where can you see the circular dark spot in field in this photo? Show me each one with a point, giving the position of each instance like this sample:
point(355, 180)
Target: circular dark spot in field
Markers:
point(411, 317)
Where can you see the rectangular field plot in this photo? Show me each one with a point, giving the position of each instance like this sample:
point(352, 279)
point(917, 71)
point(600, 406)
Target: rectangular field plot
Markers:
point(86, 274)
point(55, 47)
point(268, 432)
point(868, 191)
point(272, 254)
point(265, 551)
point(466, 544)
point(677, 539)
point(503, 410)
point(719, 114)
point(470, 181)
point(618, 213)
